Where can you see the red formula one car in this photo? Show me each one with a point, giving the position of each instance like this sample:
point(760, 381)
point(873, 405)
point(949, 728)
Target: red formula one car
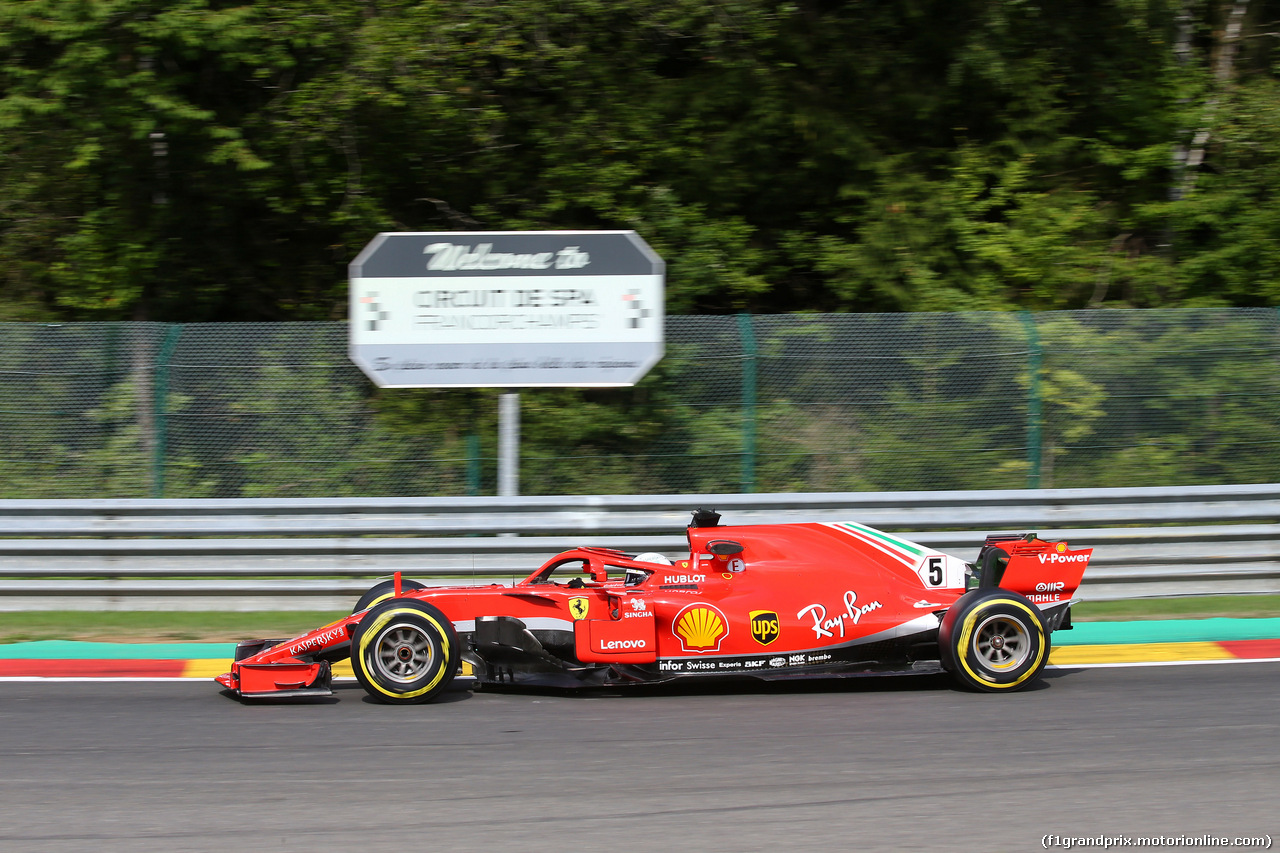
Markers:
point(765, 601)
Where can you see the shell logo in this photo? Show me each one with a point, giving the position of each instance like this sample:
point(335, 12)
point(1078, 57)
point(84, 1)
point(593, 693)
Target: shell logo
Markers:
point(700, 628)
point(1061, 547)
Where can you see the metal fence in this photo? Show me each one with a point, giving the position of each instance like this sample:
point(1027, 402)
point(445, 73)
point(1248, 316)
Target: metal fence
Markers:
point(786, 403)
point(321, 553)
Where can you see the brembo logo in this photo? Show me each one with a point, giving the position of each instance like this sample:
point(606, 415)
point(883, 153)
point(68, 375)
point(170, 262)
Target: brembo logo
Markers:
point(1064, 558)
point(448, 257)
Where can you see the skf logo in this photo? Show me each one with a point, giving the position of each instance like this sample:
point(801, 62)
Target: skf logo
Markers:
point(764, 626)
point(700, 628)
point(578, 607)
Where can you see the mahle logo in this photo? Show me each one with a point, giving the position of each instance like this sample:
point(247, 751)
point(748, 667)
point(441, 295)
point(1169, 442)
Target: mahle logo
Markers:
point(764, 626)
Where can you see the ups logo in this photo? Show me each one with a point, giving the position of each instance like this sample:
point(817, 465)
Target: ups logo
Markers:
point(764, 626)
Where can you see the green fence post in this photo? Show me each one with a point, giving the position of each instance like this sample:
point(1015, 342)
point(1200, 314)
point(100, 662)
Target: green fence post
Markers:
point(749, 354)
point(160, 406)
point(1034, 415)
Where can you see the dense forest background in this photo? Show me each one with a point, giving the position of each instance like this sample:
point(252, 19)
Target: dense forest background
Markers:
point(191, 161)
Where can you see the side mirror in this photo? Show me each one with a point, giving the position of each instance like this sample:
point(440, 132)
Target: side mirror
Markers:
point(724, 548)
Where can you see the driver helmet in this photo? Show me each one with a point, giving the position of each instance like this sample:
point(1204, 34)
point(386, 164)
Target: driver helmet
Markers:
point(634, 576)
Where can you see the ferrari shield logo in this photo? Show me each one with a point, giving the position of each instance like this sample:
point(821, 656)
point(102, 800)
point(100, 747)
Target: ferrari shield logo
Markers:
point(579, 607)
point(764, 626)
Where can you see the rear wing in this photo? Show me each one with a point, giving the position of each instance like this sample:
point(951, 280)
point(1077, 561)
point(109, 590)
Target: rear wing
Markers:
point(1047, 573)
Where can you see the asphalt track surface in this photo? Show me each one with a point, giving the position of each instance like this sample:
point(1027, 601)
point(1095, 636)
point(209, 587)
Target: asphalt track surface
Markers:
point(883, 764)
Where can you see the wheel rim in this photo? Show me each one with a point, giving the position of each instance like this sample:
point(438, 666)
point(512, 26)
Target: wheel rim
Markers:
point(404, 653)
point(1002, 642)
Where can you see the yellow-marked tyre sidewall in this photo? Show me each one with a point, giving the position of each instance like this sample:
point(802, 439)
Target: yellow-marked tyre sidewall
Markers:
point(437, 628)
point(382, 591)
point(961, 658)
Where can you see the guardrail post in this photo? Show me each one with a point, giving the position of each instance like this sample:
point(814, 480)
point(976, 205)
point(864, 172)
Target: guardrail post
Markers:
point(1034, 415)
point(160, 405)
point(749, 356)
point(473, 463)
point(509, 445)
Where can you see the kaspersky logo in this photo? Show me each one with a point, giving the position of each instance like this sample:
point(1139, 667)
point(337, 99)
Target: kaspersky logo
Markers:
point(765, 627)
point(700, 627)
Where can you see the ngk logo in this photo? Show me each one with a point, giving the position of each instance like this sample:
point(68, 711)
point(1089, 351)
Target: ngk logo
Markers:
point(1055, 586)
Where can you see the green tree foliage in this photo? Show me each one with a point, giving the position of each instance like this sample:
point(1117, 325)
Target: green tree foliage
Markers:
point(199, 160)
point(191, 160)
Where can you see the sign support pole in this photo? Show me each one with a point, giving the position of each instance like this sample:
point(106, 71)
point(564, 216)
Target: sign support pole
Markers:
point(509, 445)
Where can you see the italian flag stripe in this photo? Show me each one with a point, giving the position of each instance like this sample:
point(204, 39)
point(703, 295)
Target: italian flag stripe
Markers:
point(900, 549)
point(909, 547)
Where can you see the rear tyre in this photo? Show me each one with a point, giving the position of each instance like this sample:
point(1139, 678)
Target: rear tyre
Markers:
point(994, 641)
point(404, 652)
point(383, 590)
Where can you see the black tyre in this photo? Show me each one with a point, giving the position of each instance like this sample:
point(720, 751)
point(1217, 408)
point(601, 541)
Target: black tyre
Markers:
point(383, 590)
point(993, 640)
point(404, 651)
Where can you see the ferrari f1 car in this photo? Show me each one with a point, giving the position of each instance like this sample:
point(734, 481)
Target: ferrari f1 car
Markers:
point(775, 601)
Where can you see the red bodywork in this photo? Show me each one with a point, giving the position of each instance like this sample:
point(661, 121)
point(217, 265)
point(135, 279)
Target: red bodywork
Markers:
point(768, 601)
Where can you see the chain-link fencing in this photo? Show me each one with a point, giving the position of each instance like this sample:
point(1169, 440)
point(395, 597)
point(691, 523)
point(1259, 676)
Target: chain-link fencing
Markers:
point(803, 402)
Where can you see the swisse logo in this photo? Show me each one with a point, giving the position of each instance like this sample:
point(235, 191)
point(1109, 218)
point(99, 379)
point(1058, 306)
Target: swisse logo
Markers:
point(623, 645)
point(1064, 558)
point(1056, 586)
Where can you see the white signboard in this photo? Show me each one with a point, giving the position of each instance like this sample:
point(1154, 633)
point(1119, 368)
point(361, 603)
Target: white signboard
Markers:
point(507, 309)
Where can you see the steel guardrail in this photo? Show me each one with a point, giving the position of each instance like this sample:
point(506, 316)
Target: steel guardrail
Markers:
point(242, 553)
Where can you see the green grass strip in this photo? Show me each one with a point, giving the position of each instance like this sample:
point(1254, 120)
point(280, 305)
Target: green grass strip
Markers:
point(1168, 631)
point(1188, 607)
point(157, 626)
point(72, 650)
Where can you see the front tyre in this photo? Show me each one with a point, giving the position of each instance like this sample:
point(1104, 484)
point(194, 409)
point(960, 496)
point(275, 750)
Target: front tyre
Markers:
point(383, 590)
point(404, 652)
point(993, 640)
